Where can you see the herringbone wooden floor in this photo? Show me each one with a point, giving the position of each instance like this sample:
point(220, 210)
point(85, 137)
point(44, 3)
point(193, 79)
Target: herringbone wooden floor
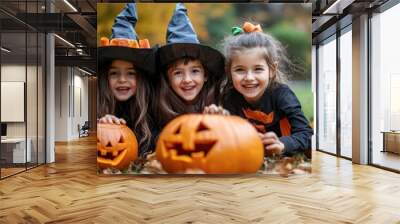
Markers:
point(69, 191)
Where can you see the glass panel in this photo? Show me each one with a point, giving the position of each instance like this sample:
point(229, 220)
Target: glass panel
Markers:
point(346, 94)
point(385, 84)
point(327, 97)
point(41, 99)
point(31, 97)
point(13, 86)
point(22, 71)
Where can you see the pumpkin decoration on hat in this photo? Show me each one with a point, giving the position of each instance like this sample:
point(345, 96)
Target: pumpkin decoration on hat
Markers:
point(215, 144)
point(116, 146)
point(182, 42)
point(125, 44)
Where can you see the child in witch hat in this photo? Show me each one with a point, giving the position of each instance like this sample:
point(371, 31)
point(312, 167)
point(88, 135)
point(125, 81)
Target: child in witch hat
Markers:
point(190, 73)
point(126, 65)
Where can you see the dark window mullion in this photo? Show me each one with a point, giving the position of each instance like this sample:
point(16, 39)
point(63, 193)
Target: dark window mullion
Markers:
point(338, 98)
point(44, 71)
point(316, 120)
point(26, 87)
point(369, 78)
point(0, 96)
point(37, 91)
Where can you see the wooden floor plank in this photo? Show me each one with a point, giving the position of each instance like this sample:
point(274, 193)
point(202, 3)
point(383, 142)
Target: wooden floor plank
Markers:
point(70, 191)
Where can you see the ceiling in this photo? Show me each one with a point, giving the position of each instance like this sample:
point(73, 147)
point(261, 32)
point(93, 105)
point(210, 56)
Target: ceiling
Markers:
point(330, 15)
point(75, 21)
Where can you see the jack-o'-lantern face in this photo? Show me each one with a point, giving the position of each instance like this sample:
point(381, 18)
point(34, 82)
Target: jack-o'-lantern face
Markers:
point(212, 143)
point(116, 146)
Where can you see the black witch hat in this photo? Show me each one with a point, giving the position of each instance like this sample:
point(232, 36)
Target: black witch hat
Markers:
point(182, 42)
point(125, 44)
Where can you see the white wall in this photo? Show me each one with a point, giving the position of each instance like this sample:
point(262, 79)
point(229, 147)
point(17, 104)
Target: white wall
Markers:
point(81, 83)
point(71, 94)
point(61, 103)
point(12, 73)
point(33, 127)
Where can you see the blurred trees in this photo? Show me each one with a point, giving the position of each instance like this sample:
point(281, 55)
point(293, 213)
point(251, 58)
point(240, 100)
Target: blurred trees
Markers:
point(298, 45)
point(106, 14)
point(289, 23)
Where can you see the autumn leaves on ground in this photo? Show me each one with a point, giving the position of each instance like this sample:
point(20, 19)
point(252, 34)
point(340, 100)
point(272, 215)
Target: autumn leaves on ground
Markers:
point(194, 144)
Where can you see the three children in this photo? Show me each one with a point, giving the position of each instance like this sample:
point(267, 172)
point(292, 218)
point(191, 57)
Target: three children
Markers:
point(190, 77)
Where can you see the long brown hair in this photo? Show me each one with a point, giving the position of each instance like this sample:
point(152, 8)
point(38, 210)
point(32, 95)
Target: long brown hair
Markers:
point(138, 107)
point(273, 52)
point(168, 104)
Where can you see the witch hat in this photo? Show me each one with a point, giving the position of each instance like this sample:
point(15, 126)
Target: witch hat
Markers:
point(182, 42)
point(125, 44)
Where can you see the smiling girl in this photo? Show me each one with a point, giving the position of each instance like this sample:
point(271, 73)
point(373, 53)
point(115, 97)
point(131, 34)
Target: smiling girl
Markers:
point(125, 67)
point(191, 73)
point(255, 64)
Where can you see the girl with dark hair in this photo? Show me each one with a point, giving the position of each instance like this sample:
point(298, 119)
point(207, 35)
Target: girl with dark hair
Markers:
point(191, 74)
point(125, 67)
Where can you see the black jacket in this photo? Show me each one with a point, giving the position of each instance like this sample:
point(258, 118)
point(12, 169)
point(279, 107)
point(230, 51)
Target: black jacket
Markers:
point(279, 111)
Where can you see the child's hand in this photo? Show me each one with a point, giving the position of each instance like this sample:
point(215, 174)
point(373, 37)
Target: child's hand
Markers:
point(272, 144)
point(111, 119)
point(214, 109)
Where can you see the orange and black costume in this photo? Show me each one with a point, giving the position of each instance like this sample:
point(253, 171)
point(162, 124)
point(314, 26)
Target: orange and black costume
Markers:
point(279, 111)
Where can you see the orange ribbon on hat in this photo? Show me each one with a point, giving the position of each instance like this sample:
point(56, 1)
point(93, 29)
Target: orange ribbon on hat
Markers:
point(124, 42)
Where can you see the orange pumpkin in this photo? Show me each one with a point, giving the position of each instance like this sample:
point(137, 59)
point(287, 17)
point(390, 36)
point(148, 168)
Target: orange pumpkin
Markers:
point(124, 42)
point(144, 43)
point(212, 143)
point(104, 41)
point(116, 146)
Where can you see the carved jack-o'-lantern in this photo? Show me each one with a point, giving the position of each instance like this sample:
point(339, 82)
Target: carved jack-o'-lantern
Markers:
point(116, 146)
point(212, 143)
